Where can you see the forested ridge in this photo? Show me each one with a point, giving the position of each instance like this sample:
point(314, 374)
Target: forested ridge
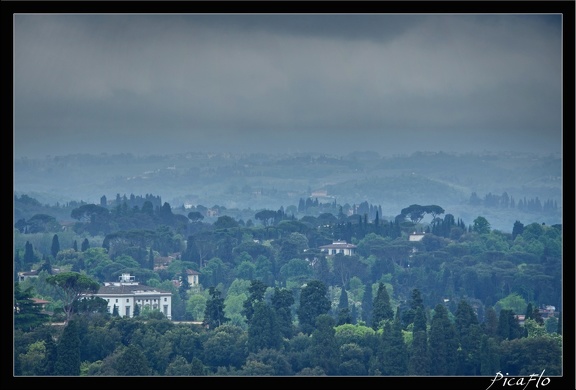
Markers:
point(503, 187)
point(270, 302)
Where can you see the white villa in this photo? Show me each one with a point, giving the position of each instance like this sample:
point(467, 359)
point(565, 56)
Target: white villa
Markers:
point(416, 236)
point(339, 247)
point(126, 293)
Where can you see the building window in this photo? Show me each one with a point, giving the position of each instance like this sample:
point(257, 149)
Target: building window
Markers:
point(165, 299)
point(166, 310)
point(127, 311)
point(116, 300)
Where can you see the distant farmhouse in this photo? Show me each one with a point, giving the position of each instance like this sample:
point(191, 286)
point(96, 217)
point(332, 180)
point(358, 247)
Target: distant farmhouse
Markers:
point(192, 277)
point(339, 247)
point(127, 293)
point(416, 236)
point(22, 276)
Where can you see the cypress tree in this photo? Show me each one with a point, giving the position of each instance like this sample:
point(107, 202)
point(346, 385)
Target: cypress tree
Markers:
point(325, 351)
point(151, 259)
point(394, 354)
point(344, 316)
point(420, 321)
point(46, 266)
point(415, 302)
point(354, 314)
point(468, 334)
point(85, 245)
point(68, 351)
point(51, 354)
point(489, 356)
point(537, 316)
point(263, 331)
point(443, 343)
point(214, 313)
point(490, 323)
point(508, 326)
point(282, 300)
point(256, 290)
point(29, 257)
point(313, 302)
point(55, 246)
point(529, 311)
point(419, 360)
point(367, 305)
point(382, 309)
point(184, 285)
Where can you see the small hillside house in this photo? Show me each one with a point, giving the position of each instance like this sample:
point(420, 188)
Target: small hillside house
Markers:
point(416, 236)
point(339, 247)
point(126, 293)
point(192, 277)
point(22, 276)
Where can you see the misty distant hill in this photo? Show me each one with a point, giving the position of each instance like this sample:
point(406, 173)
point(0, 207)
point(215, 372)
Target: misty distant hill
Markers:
point(271, 181)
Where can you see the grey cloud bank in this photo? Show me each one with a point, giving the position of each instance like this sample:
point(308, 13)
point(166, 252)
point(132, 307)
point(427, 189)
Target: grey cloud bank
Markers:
point(158, 84)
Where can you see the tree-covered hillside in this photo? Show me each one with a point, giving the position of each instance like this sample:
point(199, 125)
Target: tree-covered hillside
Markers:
point(465, 300)
point(261, 181)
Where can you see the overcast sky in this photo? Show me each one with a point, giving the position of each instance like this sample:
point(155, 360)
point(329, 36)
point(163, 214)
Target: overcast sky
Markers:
point(159, 84)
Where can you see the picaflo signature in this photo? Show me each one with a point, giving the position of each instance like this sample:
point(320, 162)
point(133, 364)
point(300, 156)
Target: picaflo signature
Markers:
point(535, 379)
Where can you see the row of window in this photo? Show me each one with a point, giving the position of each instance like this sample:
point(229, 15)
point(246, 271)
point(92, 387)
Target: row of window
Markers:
point(139, 300)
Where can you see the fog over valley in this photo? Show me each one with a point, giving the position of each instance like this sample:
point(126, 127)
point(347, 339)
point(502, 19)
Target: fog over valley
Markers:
point(259, 111)
point(238, 182)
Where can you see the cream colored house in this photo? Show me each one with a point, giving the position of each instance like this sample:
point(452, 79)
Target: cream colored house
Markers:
point(126, 293)
point(339, 247)
point(416, 236)
point(192, 277)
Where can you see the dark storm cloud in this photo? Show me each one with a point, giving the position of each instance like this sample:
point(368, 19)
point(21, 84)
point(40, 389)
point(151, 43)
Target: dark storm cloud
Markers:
point(161, 83)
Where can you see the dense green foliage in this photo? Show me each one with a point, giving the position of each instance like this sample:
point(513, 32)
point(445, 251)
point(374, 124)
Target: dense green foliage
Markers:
point(270, 302)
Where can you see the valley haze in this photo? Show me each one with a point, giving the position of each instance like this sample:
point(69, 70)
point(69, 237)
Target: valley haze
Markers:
point(259, 110)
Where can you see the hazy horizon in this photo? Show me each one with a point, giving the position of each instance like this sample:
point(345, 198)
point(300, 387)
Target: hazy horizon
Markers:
point(274, 83)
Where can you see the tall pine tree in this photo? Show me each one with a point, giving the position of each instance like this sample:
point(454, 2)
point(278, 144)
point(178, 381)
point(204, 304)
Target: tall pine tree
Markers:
point(343, 315)
point(443, 343)
point(367, 304)
point(325, 351)
point(263, 331)
point(382, 309)
point(469, 334)
point(393, 351)
point(85, 245)
point(68, 351)
point(29, 256)
point(55, 246)
point(214, 313)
